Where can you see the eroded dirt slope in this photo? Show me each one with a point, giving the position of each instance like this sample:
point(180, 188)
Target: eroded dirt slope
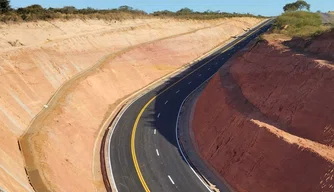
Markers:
point(265, 121)
point(321, 45)
point(36, 58)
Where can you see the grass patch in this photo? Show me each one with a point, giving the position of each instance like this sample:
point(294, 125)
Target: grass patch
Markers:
point(299, 24)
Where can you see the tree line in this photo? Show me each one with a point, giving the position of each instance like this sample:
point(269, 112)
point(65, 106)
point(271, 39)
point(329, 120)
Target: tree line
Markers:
point(37, 12)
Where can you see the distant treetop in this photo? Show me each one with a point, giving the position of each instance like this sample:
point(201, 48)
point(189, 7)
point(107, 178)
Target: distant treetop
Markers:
point(298, 5)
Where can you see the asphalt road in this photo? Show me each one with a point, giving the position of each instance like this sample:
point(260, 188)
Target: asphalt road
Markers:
point(144, 151)
point(327, 18)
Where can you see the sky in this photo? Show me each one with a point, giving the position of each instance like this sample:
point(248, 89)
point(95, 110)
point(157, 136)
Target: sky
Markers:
point(262, 7)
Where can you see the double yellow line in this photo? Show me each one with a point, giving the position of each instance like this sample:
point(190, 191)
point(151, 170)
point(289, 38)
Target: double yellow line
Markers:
point(134, 129)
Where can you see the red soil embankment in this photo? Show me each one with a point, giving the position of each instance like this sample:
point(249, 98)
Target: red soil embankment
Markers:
point(322, 45)
point(291, 89)
point(265, 121)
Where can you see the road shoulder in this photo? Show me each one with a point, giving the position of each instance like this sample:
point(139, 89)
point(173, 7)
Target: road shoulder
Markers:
point(186, 138)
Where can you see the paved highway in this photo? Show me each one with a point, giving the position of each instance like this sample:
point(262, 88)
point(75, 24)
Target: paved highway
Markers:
point(144, 151)
point(327, 18)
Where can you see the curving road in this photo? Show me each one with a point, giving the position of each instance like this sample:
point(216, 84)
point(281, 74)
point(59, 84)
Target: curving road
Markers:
point(144, 151)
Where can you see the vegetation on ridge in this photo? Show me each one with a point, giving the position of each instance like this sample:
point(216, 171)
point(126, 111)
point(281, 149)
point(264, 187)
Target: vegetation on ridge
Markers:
point(297, 23)
point(37, 12)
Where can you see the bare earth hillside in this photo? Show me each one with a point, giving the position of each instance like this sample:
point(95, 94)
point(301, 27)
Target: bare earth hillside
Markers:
point(37, 58)
point(265, 121)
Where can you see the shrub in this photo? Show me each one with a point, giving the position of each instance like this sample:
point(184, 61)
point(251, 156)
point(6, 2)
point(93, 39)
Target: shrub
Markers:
point(299, 24)
point(186, 13)
point(4, 6)
point(37, 12)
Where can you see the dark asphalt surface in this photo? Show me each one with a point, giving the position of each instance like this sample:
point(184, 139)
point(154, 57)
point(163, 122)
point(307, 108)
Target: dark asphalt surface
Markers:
point(327, 18)
point(161, 115)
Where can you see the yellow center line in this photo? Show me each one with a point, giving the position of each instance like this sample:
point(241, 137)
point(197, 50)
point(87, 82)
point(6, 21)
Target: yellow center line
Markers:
point(134, 129)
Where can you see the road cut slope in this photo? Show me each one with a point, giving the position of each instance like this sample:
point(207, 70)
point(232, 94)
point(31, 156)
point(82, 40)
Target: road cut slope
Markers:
point(37, 58)
point(265, 121)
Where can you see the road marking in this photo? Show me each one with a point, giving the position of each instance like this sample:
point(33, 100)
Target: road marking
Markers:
point(157, 152)
point(134, 129)
point(200, 75)
point(209, 69)
point(189, 83)
point(158, 115)
point(166, 102)
point(155, 131)
point(133, 149)
point(171, 180)
point(178, 91)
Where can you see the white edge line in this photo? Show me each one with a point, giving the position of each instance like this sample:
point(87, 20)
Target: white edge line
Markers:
point(176, 128)
point(138, 97)
point(177, 137)
point(109, 143)
point(127, 105)
point(171, 180)
point(125, 109)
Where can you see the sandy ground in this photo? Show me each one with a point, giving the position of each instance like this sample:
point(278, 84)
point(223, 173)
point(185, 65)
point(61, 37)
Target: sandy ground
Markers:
point(45, 55)
point(265, 121)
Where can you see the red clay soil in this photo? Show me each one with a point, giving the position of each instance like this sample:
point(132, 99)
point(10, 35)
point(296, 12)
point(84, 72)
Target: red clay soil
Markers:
point(322, 45)
point(265, 122)
point(291, 89)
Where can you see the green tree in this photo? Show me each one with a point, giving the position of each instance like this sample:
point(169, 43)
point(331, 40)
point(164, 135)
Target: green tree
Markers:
point(298, 5)
point(4, 6)
point(163, 13)
point(125, 8)
point(184, 11)
point(68, 9)
point(31, 9)
point(303, 5)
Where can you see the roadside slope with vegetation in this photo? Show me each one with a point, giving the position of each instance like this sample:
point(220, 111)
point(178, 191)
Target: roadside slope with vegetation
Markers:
point(299, 24)
point(37, 12)
point(298, 21)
